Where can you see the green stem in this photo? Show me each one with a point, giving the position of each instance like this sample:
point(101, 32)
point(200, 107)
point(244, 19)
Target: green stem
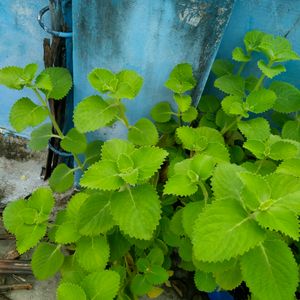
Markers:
point(226, 128)
point(204, 191)
point(241, 68)
point(78, 161)
point(262, 77)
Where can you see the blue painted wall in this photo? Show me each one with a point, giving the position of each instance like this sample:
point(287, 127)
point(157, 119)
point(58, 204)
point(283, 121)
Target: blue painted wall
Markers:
point(21, 43)
point(148, 36)
point(279, 17)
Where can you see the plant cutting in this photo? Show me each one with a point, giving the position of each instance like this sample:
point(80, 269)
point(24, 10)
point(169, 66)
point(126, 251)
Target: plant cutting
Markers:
point(213, 190)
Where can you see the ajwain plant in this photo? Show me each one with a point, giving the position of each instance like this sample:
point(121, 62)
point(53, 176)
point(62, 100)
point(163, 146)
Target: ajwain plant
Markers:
point(213, 190)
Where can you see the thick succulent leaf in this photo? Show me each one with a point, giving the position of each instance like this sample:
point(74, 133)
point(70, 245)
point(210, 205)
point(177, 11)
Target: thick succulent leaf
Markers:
point(28, 236)
point(231, 84)
point(261, 100)
point(74, 142)
point(12, 215)
point(181, 79)
point(180, 185)
point(61, 179)
point(225, 230)
point(233, 105)
point(281, 150)
point(103, 285)
point(148, 161)
point(222, 67)
point(291, 130)
point(40, 137)
point(24, 113)
point(95, 215)
point(70, 291)
point(255, 129)
point(156, 256)
point(42, 200)
point(217, 151)
point(71, 271)
point(189, 115)
point(12, 77)
point(288, 97)
point(203, 165)
point(129, 85)
point(239, 55)
point(103, 80)
point(92, 253)
point(190, 213)
point(205, 282)
point(67, 233)
point(93, 113)
point(279, 218)
point(112, 149)
point(252, 40)
point(270, 71)
point(270, 271)
point(61, 82)
point(103, 175)
point(136, 211)
point(46, 260)
point(161, 112)
point(140, 285)
point(209, 104)
point(230, 278)
point(225, 181)
point(290, 167)
point(119, 245)
point(183, 101)
point(143, 133)
point(257, 147)
point(156, 275)
point(93, 152)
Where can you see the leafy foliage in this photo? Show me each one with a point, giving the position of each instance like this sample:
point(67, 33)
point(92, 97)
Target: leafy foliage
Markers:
point(220, 194)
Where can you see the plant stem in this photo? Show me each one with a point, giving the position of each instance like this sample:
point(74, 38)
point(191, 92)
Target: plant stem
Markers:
point(241, 68)
point(204, 191)
point(262, 77)
point(225, 129)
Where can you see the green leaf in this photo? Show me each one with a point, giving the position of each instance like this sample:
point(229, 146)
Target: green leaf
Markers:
point(272, 261)
point(291, 130)
point(251, 82)
point(74, 141)
point(218, 151)
point(233, 105)
point(46, 260)
point(270, 71)
point(43, 82)
point(103, 80)
point(226, 184)
point(180, 185)
point(255, 129)
point(24, 113)
point(281, 219)
point(103, 285)
point(186, 250)
point(256, 147)
point(129, 85)
point(119, 245)
point(136, 211)
point(156, 256)
point(181, 79)
point(209, 104)
point(71, 271)
point(67, 233)
point(253, 40)
point(70, 291)
point(93, 113)
point(12, 215)
point(140, 285)
point(92, 253)
point(168, 235)
point(260, 101)
point(161, 112)
point(61, 81)
point(143, 133)
point(277, 49)
point(176, 223)
point(102, 175)
point(231, 84)
point(93, 152)
point(28, 236)
point(190, 213)
point(231, 278)
point(205, 281)
point(156, 275)
point(290, 167)
point(288, 97)
point(239, 55)
point(222, 67)
point(112, 149)
point(148, 161)
point(225, 230)
point(40, 137)
point(281, 150)
point(189, 115)
point(183, 101)
point(12, 77)
point(30, 71)
point(61, 179)
point(223, 120)
point(95, 215)
point(203, 165)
